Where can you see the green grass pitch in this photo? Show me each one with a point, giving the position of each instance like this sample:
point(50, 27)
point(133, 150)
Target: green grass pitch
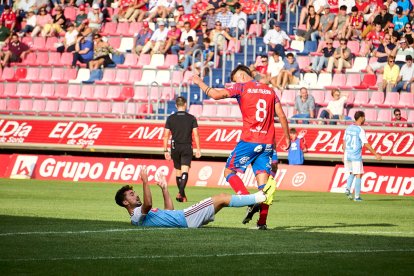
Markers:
point(54, 228)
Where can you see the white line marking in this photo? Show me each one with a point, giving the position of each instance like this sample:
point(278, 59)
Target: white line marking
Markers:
point(208, 255)
point(157, 228)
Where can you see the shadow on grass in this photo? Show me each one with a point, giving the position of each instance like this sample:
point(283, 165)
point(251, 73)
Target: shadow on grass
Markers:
point(338, 225)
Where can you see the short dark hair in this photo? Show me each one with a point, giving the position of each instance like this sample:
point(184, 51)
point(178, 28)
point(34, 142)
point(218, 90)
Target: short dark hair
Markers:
point(359, 114)
point(190, 39)
point(120, 195)
point(342, 8)
point(237, 5)
point(180, 101)
point(354, 9)
point(396, 110)
point(240, 67)
point(290, 55)
point(292, 130)
point(206, 40)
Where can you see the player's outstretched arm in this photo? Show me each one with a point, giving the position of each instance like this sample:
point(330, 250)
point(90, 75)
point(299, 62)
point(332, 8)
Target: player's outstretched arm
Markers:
point(147, 205)
point(162, 183)
point(214, 93)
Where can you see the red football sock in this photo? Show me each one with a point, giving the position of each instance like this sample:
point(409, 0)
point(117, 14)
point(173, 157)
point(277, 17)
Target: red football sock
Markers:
point(264, 209)
point(237, 184)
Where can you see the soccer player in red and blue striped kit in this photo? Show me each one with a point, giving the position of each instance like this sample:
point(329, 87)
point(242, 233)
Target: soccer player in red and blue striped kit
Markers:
point(258, 104)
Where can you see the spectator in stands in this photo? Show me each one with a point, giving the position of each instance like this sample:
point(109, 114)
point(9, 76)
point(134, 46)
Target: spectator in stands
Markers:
point(408, 34)
point(290, 73)
point(215, 3)
point(173, 37)
point(81, 15)
point(259, 69)
point(304, 106)
point(16, 51)
point(208, 57)
point(4, 34)
point(69, 41)
point(318, 6)
point(382, 17)
point(398, 119)
point(406, 76)
point(276, 65)
point(218, 36)
point(95, 18)
point(85, 30)
point(193, 18)
point(22, 7)
point(42, 19)
point(58, 23)
point(157, 40)
point(373, 39)
point(161, 10)
point(399, 20)
point(127, 10)
point(211, 17)
point(326, 23)
point(405, 5)
point(338, 29)
point(390, 76)
point(238, 22)
point(341, 58)
point(202, 33)
point(141, 9)
point(143, 36)
point(83, 51)
point(276, 39)
point(187, 32)
point(101, 51)
point(335, 108)
point(224, 15)
point(312, 24)
point(30, 22)
point(187, 5)
point(353, 26)
point(403, 50)
point(186, 59)
point(9, 18)
point(201, 7)
point(381, 53)
point(297, 148)
point(321, 61)
point(392, 6)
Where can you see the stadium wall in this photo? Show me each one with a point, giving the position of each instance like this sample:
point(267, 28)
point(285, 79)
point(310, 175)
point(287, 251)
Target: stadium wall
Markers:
point(217, 138)
point(376, 180)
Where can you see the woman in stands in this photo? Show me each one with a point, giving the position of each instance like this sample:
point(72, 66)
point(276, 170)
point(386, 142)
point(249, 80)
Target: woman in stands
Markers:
point(58, 23)
point(69, 41)
point(42, 19)
point(335, 108)
point(101, 53)
point(218, 36)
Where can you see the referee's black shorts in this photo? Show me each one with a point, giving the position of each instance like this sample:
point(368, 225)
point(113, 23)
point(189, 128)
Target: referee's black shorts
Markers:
point(182, 154)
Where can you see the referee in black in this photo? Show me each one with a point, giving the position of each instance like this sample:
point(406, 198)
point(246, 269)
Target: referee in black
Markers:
point(181, 125)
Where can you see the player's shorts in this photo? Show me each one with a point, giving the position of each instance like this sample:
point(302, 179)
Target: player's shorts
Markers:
point(354, 167)
point(181, 154)
point(246, 153)
point(200, 213)
point(275, 159)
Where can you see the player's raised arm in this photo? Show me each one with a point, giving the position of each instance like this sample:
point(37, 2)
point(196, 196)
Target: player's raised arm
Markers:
point(147, 204)
point(162, 183)
point(214, 93)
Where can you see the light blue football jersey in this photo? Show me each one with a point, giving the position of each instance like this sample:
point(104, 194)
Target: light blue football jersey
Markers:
point(354, 141)
point(159, 218)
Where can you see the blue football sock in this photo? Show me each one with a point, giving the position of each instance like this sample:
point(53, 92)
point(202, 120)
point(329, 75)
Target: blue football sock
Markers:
point(246, 200)
point(350, 180)
point(357, 187)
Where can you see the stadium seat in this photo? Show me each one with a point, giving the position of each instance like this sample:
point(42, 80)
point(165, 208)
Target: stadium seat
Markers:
point(109, 28)
point(351, 98)
point(32, 75)
point(83, 75)
point(144, 59)
point(288, 97)
point(361, 98)
point(7, 73)
point(131, 61)
point(154, 93)
point(177, 78)
point(74, 91)
point(51, 108)
point(134, 75)
point(162, 76)
point(351, 81)
point(61, 91)
point(48, 90)
point(255, 30)
point(319, 96)
point(297, 45)
point(127, 92)
point(233, 46)
point(10, 90)
point(187, 78)
point(78, 108)
point(100, 92)
point(209, 110)
point(304, 63)
point(134, 28)
point(196, 110)
point(12, 105)
point(91, 109)
point(384, 115)
point(55, 59)
point(108, 76)
point(145, 110)
point(309, 47)
point(126, 44)
point(115, 41)
point(337, 81)
point(65, 109)
point(104, 110)
point(377, 98)
point(310, 80)
point(148, 76)
point(156, 60)
point(360, 63)
point(35, 91)
point(368, 80)
point(371, 115)
point(22, 90)
point(117, 110)
point(168, 94)
point(140, 94)
point(122, 29)
point(25, 108)
point(39, 43)
point(324, 79)
point(235, 112)
point(170, 61)
point(66, 59)
point(113, 92)
point(406, 100)
point(45, 74)
point(391, 100)
point(354, 46)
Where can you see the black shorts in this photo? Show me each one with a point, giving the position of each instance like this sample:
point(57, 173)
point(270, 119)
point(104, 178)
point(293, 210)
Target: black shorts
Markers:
point(182, 154)
point(107, 60)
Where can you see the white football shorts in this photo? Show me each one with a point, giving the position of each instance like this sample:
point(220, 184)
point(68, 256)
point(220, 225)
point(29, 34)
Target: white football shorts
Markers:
point(354, 167)
point(200, 213)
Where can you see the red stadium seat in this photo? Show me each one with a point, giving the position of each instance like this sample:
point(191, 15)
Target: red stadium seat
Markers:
point(109, 28)
point(196, 110)
point(361, 98)
point(377, 98)
point(131, 61)
point(123, 29)
point(351, 81)
point(288, 97)
point(74, 91)
point(368, 80)
point(406, 100)
point(391, 100)
point(338, 80)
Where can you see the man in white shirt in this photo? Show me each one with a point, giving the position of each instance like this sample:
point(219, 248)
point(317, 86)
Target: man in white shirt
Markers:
point(276, 40)
point(238, 21)
point(186, 32)
point(275, 66)
point(406, 76)
point(157, 40)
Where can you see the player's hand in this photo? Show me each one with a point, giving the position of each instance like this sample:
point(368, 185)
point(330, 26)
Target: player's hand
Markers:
point(144, 175)
point(198, 154)
point(287, 146)
point(197, 80)
point(162, 181)
point(167, 156)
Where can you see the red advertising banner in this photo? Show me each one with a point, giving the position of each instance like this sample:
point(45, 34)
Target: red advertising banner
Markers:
point(376, 180)
point(216, 140)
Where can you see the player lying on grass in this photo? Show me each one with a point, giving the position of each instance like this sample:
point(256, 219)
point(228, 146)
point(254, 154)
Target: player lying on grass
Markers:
point(197, 215)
